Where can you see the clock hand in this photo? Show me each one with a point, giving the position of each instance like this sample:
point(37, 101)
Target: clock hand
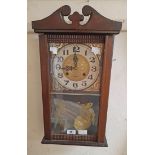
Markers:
point(68, 68)
point(75, 60)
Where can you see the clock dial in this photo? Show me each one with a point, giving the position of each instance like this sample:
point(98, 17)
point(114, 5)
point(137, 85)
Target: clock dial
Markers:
point(75, 66)
point(79, 72)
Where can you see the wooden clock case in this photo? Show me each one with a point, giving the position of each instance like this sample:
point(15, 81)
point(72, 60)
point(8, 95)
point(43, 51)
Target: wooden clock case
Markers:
point(98, 29)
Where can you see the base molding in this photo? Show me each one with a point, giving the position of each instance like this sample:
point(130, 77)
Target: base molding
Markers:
point(81, 143)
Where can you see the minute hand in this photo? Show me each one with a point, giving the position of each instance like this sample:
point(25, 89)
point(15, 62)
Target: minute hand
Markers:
point(75, 60)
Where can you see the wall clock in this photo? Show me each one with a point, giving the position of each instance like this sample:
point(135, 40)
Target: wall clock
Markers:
point(75, 62)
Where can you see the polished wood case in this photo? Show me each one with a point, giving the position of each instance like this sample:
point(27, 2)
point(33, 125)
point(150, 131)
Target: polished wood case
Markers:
point(54, 29)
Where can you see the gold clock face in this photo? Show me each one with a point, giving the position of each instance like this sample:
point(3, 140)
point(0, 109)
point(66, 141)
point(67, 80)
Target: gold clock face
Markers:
point(75, 66)
point(78, 73)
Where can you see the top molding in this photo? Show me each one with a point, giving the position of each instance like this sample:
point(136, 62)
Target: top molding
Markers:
point(96, 23)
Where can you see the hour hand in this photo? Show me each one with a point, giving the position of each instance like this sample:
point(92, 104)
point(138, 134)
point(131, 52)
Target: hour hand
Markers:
point(68, 68)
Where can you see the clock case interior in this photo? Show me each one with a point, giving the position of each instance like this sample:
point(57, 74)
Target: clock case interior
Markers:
point(102, 32)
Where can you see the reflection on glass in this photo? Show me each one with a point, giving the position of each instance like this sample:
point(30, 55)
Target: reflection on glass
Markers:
point(71, 112)
point(75, 71)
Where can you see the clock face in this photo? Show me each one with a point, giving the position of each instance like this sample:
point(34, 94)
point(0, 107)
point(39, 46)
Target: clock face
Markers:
point(75, 66)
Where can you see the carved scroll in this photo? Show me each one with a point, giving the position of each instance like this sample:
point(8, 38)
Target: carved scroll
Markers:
point(96, 23)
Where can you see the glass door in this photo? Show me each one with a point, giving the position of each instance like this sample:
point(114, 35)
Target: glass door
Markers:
point(75, 71)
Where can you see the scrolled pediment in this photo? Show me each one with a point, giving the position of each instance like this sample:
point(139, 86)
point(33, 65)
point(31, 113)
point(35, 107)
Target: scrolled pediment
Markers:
point(96, 23)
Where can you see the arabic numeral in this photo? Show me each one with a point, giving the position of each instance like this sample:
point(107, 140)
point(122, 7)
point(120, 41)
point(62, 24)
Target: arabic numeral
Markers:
point(60, 75)
point(84, 83)
point(92, 59)
point(60, 59)
point(65, 52)
point(93, 69)
point(75, 85)
point(76, 49)
point(66, 82)
point(90, 77)
point(58, 67)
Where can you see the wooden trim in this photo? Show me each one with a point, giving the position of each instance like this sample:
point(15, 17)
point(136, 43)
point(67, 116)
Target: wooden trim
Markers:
point(74, 137)
point(44, 61)
point(96, 23)
point(75, 38)
point(70, 142)
point(105, 83)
